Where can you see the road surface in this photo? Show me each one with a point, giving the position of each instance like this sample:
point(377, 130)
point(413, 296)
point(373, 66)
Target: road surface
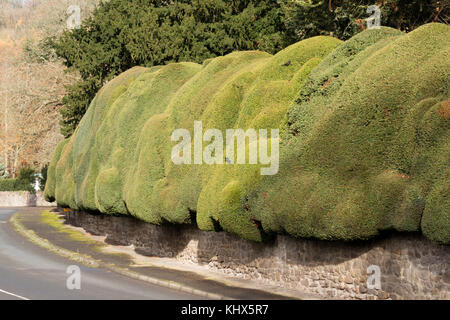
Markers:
point(28, 272)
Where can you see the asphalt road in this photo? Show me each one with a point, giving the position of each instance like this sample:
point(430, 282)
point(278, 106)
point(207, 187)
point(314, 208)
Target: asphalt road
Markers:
point(30, 272)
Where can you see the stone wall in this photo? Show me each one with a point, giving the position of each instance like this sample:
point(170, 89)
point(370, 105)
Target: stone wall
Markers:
point(411, 266)
point(23, 199)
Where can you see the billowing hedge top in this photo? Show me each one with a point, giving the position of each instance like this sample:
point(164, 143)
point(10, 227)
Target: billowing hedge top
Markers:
point(365, 142)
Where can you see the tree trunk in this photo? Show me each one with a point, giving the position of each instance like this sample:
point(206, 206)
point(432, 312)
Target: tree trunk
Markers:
point(6, 131)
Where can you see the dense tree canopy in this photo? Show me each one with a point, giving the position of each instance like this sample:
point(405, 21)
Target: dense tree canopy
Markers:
point(123, 33)
point(343, 19)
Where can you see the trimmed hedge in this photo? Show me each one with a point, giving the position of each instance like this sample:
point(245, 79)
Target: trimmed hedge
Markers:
point(9, 185)
point(364, 143)
point(366, 148)
point(23, 182)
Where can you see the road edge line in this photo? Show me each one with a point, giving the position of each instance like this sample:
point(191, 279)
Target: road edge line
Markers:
point(31, 236)
point(13, 295)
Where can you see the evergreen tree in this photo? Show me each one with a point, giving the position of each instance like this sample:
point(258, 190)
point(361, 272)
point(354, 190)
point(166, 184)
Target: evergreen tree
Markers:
point(343, 19)
point(125, 33)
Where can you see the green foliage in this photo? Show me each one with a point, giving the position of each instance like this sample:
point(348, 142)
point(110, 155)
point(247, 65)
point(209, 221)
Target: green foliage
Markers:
point(436, 218)
point(122, 34)
point(50, 185)
point(121, 149)
point(344, 19)
point(26, 174)
point(24, 181)
point(8, 185)
point(65, 185)
point(43, 177)
point(365, 148)
point(76, 102)
point(364, 143)
point(266, 95)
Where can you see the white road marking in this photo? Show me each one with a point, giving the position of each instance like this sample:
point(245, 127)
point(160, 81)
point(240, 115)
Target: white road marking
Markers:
point(14, 295)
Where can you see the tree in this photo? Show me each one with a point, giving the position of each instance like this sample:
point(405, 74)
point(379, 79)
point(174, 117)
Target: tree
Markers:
point(123, 33)
point(344, 19)
point(32, 81)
